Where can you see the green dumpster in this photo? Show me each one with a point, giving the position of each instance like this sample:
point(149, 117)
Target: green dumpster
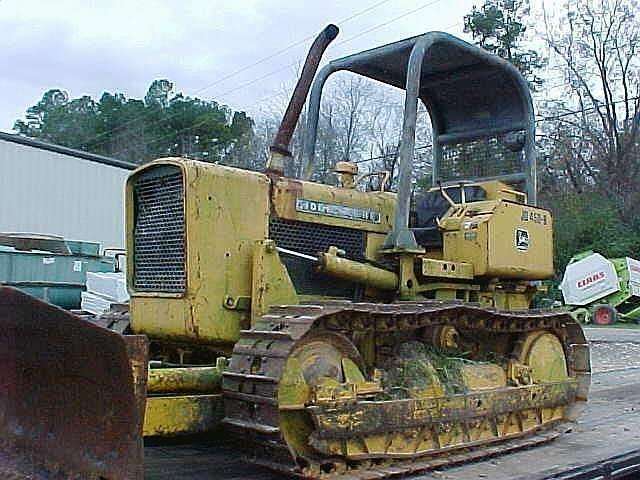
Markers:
point(50, 267)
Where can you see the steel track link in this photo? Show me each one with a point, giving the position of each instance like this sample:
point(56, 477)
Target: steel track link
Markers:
point(250, 384)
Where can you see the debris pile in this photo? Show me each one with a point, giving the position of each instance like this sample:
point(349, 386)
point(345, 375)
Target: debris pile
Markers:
point(419, 370)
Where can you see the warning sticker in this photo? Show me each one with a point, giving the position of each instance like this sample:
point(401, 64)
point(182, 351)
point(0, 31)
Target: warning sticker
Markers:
point(522, 239)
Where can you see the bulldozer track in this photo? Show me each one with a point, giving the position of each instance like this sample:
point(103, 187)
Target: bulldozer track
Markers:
point(251, 383)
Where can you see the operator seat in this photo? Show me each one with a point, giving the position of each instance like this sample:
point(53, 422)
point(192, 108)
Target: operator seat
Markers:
point(432, 205)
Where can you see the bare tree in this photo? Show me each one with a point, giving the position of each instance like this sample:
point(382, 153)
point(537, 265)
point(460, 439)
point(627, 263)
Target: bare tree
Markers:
point(360, 121)
point(593, 132)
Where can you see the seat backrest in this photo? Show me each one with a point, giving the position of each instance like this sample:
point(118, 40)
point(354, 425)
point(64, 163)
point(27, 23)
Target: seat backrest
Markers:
point(431, 205)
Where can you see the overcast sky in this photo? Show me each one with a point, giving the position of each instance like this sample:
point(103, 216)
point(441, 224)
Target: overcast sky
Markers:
point(87, 47)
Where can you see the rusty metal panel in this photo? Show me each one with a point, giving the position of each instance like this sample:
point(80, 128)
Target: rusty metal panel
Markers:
point(68, 390)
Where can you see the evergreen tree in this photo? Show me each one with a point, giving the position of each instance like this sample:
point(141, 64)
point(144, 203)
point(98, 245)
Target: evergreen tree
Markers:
point(499, 26)
point(164, 123)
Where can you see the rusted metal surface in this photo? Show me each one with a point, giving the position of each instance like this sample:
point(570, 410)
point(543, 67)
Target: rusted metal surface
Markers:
point(580, 454)
point(376, 417)
point(251, 385)
point(172, 415)
point(70, 400)
point(290, 119)
point(184, 380)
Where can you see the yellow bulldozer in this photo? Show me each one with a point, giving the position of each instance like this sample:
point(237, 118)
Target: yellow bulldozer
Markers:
point(334, 329)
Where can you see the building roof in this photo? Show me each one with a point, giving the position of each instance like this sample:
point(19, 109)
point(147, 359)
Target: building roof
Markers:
point(30, 142)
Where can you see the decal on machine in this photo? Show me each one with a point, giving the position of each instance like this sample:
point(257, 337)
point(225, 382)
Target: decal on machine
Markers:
point(338, 211)
point(522, 239)
point(591, 280)
point(533, 216)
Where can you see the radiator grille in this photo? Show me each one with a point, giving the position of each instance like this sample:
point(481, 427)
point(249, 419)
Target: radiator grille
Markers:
point(159, 242)
point(312, 238)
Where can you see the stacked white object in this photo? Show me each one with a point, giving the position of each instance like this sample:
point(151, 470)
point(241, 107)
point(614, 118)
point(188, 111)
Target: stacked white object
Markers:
point(104, 290)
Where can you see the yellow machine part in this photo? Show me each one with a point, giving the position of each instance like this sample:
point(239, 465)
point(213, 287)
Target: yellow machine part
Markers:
point(271, 282)
point(182, 414)
point(317, 203)
point(338, 267)
point(226, 212)
point(501, 239)
point(311, 379)
point(324, 389)
point(226, 215)
point(184, 379)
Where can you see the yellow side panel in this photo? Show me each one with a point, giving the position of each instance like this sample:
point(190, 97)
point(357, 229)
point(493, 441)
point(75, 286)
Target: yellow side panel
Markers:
point(227, 211)
point(520, 242)
point(342, 207)
point(271, 282)
point(468, 246)
point(375, 241)
point(501, 239)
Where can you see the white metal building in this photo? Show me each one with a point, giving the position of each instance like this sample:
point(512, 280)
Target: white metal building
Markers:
point(55, 190)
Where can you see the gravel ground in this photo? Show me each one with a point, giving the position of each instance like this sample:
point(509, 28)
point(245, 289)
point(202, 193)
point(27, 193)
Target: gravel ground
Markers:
point(614, 349)
point(607, 357)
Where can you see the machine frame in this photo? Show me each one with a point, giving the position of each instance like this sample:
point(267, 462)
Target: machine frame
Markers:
point(429, 59)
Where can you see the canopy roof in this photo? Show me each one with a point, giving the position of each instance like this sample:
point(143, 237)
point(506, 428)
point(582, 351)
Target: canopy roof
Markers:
point(471, 96)
point(464, 87)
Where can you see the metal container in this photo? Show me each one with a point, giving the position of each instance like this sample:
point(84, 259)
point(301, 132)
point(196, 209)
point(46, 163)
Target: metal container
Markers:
point(56, 274)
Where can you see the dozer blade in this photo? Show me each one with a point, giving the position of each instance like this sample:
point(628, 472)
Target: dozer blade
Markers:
point(71, 393)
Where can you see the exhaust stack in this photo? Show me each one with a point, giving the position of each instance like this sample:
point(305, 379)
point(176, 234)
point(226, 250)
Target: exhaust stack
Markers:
point(280, 147)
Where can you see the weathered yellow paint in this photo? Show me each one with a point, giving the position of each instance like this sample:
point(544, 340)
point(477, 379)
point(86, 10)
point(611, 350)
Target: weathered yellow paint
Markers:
point(484, 234)
point(374, 246)
point(358, 272)
point(450, 434)
point(293, 391)
point(512, 300)
point(481, 429)
point(483, 376)
point(184, 379)
point(227, 211)
point(447, 269)
point(543, 353)
point(235, 275)
point(287, 190)
point(376, 443)
point(186, 414)
point(442, 433)
point(529, 419)
point(352, 373)
point(271, 284)
point(497, 190)
point(408, 285)
point(355, 447)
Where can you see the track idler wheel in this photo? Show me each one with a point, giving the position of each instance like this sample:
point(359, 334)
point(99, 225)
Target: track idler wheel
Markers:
point(322, 359)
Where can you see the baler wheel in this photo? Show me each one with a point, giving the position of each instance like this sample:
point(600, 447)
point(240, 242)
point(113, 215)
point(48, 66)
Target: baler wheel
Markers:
point(604, 315)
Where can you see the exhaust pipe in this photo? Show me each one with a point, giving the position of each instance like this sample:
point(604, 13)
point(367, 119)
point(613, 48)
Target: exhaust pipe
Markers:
point(280, 147)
